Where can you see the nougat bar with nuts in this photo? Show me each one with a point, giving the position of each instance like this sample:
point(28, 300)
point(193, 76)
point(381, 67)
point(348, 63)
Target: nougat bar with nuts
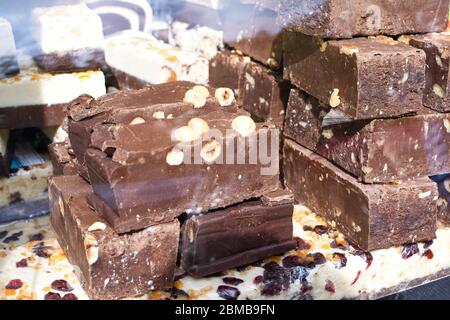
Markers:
point(152, 172)
point(164, 101)
point(374, 216)
point(374, 151)
point(361, 78)
point(238, 235)
point(345, 19)
point(437, 88)
point(110, 266)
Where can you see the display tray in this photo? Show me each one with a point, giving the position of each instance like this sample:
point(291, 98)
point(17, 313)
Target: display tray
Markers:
point(324, 266)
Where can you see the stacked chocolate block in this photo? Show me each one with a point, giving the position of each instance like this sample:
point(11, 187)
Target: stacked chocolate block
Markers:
point(34, 86)
point(143, 168)
point(365, 124)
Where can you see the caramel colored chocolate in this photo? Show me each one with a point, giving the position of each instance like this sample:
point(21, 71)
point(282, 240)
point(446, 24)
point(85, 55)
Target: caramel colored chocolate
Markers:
point(436, 47)
point(71, 61)
point(139, 183)
point(236, 236)
point(110, 266)
point(264, 93)
point(63, 162)
point(360, 78)
point(374, 151)
point(345, 19)
point(373, 216)
point(41, 116)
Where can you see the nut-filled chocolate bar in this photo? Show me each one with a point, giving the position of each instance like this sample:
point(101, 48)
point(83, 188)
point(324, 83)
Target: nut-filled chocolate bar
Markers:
point(69, 38)
point(361, 78)
point(370, 149)
point(264, 93)
point(109, 265)
point(237, 235)
point(64, 163)
point(150, 173)
point(436, 47)
point(8, 59)
point(345, 19)
point(373, 216)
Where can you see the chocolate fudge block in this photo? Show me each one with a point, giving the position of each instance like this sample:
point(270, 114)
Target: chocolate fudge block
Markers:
point(436, 47)
point(374, 151)
point(8, 59)
point(264, 93)
point(64, 163)
point(255, 31)
point(444, 201)
point(69, 38)
point(236, 236)
point(345, 19)
point(110, 266)
point(226, 70)
point(46, 96)
point(361, 78)
point(373, 216)
point(153, 102)
point(143, 175)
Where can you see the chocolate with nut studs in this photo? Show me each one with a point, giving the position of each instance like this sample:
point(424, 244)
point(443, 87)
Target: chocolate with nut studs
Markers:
point(374, 216)
point(111, 266)
point(360, 78)
point(63, 162)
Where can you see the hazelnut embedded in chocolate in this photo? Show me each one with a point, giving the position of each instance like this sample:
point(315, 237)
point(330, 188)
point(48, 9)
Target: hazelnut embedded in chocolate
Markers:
point(244, 125)
point(225, 96)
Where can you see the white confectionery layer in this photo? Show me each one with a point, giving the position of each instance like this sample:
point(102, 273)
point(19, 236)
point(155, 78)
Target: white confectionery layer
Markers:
point(7, 44)
point(67, 28)
point(143, 56)
point(48, 89)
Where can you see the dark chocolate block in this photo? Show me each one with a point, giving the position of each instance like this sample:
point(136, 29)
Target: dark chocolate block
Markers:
point(436, 47)
point(373, 216)
point(361, 78)
point(71, 61)
point(8, 66)
point(444, 201)
point(132, 170)
point(41, 116)
point(264, 93)
point(64, 163)
point(345, 19)
point(226, 70)
point(236, 236)
point(374, 151)
point(110, 266)
point(254, 30)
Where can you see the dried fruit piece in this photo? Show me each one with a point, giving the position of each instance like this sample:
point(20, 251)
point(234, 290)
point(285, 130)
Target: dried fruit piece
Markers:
point(320, 229)
point(366, 256)
point(41, 250)
point(339, 259)
point(225, 96)
point(318, 257)
point(258, 280)
point(3, 234)
point(175, 157)
point(409, 250)
point(14, 237)
point(14, 284)
point(429, 254)
point(228, 293)
point(61, 285)
point(244, 125)
point(427, 244)
point(302, 244)
point(178, 293)
point(69, 296)
point(232, 281)
point(36, 237)
point(52, 296)
point(329, 286)
point(22, 263)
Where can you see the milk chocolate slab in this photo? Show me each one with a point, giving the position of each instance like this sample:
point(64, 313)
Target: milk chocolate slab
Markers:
point(110, 266)
point(126, 81)
point(373, 216)
point(437, 87)
point(64, 163)
point(236, 236)
point(132, 171)
point(71, 61)
point(345, 19)
point(374, 151)
point(361, 78)
point(226, 70)
point(41, 115)
point(444, 193)
point(264, 93)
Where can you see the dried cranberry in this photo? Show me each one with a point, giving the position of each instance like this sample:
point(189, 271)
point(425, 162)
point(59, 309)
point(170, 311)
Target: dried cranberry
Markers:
point(426, 244)
point(22, 263)
point(293, 261)
point(232, 281)
point(69, 296)
point(366, 256)
point(318, 257)
point(228, 293)
point(339, 259)
point(329, 286)
point(429, 254)
point(14, 284)
point(36, 237)
point(302, 244)
point(258, 279)
point(336, 245)
point(3, 234)
point(61, 285)
point(409, 250)
point(41, 250)
point(305, 287)
point(52, 296)
point(14, 237)
point(308, 228)
point(358, 274)
point(320, 229)
point(178, 293)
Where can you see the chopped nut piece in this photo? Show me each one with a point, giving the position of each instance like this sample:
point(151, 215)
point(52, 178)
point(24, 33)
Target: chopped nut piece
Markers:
point(97, 226)
point(335, 100)
point(185, 134)
point(137, 120)
point(175, 157)
point(91, 248)
point(437, 89)
point(211, 151)
point(61, 206)
point(158, 115)
point(225, 96)
point(244, 125)
point(199, 126)
point(197, 96)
